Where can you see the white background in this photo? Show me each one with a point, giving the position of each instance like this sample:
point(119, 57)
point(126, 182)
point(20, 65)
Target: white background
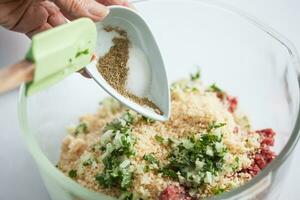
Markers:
point(19, 178)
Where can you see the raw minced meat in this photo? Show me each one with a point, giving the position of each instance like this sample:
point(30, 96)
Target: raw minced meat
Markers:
point(207, 147)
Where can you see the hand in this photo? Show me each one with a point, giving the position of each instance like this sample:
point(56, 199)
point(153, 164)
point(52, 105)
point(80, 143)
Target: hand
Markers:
point(33, 16)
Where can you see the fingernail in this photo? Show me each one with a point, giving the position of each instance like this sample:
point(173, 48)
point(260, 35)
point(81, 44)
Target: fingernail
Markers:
point(98, 10)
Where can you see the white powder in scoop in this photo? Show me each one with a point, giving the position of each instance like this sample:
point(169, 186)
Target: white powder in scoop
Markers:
point(139, 78)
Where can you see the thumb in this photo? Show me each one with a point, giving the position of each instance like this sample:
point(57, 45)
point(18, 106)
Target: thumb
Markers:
point(82, 8)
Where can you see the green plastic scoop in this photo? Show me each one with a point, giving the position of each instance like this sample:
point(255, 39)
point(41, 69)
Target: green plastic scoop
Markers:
point(58, 52)
point(53, 55)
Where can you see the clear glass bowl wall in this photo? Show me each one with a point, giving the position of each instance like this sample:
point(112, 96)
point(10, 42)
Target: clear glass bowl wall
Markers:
point(246, 58)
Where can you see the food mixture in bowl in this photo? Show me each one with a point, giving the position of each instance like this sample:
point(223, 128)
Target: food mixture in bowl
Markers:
point(207, 147)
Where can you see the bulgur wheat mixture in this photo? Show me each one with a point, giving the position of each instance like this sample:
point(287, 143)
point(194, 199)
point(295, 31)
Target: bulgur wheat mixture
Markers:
point(207, 147)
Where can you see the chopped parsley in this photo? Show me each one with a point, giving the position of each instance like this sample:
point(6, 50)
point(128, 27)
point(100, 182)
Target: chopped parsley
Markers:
point(156, 166)
point(193, 161)
point(122, 124)
point(220, 93)
point(89, 161)
point(73, 173)
point(235, 164)
point(117, 144)
point(152, 163)
point(168, 172)
point(114, 175)
point(148, 120)
point(82, 128)
point(214, 88)
point(215, 125)
point(151, 159)
point(218, 190)
point(126, 196)
point(196, 160)
point(170, 141)
point(195, 76)
point(128, 117)
point(159, 139)
point(194, 89)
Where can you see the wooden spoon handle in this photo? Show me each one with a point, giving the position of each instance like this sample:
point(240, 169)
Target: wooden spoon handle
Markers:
point(13, 76)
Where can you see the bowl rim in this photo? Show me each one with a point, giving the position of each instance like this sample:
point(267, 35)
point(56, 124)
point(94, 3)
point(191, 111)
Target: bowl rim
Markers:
point(76, 189)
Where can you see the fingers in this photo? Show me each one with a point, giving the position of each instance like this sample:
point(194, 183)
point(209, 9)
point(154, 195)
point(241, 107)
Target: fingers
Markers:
point(39, 16)
point(31, 16)
point(39, 29)
point(112, 2)
point(83, 8)
point(34, 16)
point(12, 11)
point(117, 2)
point(55, 17)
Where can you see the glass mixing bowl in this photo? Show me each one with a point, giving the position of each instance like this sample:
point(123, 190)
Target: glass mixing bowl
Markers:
point(245, 57)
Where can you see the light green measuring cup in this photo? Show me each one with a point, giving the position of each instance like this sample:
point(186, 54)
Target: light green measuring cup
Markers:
point(53, 55)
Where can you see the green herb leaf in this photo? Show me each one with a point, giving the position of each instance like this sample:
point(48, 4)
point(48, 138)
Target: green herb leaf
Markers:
point(128, 117)
point(218, 190)
point(148, 120)
point(117, 147)
point(195, 76)
point(235, 165)
point(73, 173)
point(115, 176)
point(196, 160)
point(126, 179)
point(151, 159)
point(159, 139)
point(122, 124)
point(194, 89)
point(215, 125)
point(82, 128)
point(169, 173)
point(214, 88)
point(115, 125)
point(170, 141)
point(88, 162)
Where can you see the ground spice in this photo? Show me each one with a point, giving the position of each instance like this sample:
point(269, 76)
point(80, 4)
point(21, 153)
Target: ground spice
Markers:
point(113, 67)
point(117, 30)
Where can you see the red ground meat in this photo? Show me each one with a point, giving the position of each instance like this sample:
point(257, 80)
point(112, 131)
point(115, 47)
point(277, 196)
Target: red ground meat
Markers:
point(267, 132)
point(232, 103)
point(253, 170)
point(266, 143)
point(269, 141)
point(268, 154)
point(174, 193)
point(265, 155)
point(260, 161)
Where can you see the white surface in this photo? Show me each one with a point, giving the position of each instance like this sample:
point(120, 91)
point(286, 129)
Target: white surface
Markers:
point(19, 178)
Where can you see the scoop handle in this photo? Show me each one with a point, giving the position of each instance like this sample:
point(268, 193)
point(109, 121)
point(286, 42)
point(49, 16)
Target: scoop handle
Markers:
point(13, 76)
